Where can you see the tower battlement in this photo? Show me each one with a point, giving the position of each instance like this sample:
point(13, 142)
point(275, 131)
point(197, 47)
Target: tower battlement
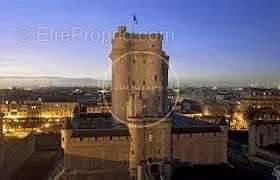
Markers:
point(122, 32)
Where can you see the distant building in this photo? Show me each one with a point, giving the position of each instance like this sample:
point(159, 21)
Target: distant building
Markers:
point(99, 108)
point(254, 99)
point(264, 130)
point(37, 109)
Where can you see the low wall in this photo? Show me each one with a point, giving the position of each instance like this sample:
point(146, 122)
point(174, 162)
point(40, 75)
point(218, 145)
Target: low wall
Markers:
point(269, 156)
point(239, 157)
point(47, 142)
point(16, 153)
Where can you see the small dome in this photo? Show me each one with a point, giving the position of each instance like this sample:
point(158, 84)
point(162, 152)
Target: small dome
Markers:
point(67, 124)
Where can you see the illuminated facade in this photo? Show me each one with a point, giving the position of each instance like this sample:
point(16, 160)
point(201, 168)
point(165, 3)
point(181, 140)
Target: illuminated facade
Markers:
point(37, 109)
point(261, 98)
point(99, 108)
point(57, 109)
point(264, 129)
point(254, 99)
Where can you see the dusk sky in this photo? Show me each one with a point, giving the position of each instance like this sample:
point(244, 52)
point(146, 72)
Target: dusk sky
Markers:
point(233, 41)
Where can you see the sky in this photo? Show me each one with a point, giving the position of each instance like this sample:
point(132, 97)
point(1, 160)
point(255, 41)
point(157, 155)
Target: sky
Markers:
point(208, 41)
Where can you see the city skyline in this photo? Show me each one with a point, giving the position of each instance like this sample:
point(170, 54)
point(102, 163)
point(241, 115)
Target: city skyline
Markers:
point(212, 41)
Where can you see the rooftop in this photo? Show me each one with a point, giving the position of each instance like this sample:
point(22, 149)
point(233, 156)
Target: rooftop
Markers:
point(180, 124)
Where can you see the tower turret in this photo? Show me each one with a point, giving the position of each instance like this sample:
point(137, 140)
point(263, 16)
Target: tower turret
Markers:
point(66, 133)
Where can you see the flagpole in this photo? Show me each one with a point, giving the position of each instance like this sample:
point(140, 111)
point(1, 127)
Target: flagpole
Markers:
point(133, 23)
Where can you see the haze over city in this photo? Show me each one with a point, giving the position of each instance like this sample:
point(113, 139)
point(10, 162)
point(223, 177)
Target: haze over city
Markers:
point(213, 42)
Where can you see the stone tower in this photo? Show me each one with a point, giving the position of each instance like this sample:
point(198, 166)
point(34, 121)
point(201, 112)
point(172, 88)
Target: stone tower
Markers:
point(66, 132)
point(150, 136)
point(139, 94)
point(138, 63)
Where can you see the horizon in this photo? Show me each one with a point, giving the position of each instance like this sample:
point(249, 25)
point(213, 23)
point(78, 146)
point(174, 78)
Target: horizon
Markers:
point(93, 82)
point(212, 41)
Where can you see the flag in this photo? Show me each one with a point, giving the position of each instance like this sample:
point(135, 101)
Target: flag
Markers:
point(135, 19)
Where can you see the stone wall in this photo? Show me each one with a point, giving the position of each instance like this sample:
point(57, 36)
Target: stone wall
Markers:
point(47, 142)
point(90, 152)
point(200, 148)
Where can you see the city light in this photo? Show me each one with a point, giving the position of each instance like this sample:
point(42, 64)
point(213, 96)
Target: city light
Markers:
point(47, 125)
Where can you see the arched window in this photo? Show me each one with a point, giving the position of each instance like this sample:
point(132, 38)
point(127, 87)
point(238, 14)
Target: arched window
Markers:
point(155, 77)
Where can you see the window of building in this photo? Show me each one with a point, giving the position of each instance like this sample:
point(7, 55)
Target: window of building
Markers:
point(153, 45)
point(150, 138)
point(144, 61)
point(140, 94)
point(144, 83)
point(96, 138)
point(268, 130)
point(132, 152)
point(62, 139)
point(81, 139)
point(13, 113)
point(111, 138)
point(158, 151)
point(155, 77)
